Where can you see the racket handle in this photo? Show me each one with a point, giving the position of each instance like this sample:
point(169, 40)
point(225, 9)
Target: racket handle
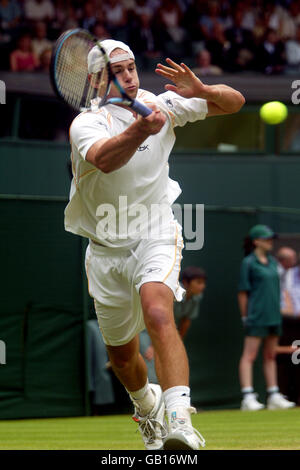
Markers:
point(141, 108)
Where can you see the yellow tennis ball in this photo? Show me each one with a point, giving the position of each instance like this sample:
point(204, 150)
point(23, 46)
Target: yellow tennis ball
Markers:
point(273, 112)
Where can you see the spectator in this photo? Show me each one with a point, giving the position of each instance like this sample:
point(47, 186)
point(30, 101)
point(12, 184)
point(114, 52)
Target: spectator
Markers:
point(259, 302)
point(287, 259)
point(100, 31)
point(143, 37)
point(210, 20)
point(204, 66)
point(270, 55)
point(116, 19)
point(241, 44)
point(290, 21)
point(292, 49)
point(40, 41)
point(10, 14)
point(218, 46)
point(45, 60)
point(289, 373)
point(99, 378)
point(193, 280)
point(89, 18)
point(23, 59)
point(39, 10)
point(65, 16)
point(169, 23)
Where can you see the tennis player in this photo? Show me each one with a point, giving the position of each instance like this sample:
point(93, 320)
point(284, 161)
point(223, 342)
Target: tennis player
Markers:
point(120, 199)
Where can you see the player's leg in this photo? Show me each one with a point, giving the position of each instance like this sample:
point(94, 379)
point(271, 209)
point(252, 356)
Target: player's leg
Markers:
point(128, 364)
point(250, 351)
point(157, 303)
point(172, 365)
point(275, 399)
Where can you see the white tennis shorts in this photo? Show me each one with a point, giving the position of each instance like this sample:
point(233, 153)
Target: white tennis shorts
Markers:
point(115, 276)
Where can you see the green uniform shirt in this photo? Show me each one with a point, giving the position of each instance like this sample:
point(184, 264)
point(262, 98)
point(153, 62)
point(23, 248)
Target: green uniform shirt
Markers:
point(261, 281)
point(187, 308)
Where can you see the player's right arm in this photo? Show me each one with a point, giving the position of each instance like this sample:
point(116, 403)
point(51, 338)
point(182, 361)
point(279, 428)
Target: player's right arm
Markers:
point(110, 154)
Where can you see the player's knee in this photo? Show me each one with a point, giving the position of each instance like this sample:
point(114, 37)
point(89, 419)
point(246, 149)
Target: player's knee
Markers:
point(269, 355)
point(249, 356)
point(158, 320)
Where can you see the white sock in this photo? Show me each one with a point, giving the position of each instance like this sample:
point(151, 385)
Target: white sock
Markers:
point(273, 389)
point(177, 401)
point(143, 399)
point(247, 390)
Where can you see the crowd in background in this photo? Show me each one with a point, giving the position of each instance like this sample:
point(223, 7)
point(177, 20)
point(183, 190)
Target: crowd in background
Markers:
point(213, 37)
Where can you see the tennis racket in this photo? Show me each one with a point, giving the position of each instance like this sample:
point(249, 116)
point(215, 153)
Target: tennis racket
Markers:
point(72, 81)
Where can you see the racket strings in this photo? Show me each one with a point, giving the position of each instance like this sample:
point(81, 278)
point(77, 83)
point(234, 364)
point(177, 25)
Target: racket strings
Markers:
point(72, 72)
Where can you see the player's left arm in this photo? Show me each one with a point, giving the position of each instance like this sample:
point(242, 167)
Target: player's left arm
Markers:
point(221, 99)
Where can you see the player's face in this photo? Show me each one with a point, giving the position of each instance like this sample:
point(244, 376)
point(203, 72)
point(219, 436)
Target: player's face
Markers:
point(264, 244)
point(126, 74)
point(195, 286)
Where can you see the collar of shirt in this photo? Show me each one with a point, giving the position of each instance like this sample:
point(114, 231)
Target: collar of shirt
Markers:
point(120, 113)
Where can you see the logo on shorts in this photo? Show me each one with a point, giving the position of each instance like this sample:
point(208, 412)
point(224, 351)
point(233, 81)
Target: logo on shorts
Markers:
point(150, 270)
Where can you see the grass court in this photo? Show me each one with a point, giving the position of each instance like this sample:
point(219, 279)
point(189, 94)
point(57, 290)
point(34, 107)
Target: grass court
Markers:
point(223, 430)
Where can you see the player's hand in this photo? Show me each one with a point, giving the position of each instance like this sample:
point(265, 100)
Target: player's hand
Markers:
point(153, 123)
point(186, 83)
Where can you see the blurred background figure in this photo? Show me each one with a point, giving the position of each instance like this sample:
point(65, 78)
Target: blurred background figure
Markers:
point(39, 10)
point(40, 41)
point(204, 65)
point(270, 54)
point(240, 52)
point(169, 26)
point(115, 15)
point(289, 373)
point(45, 60)
point(259, 303)
point(292, 51)
point(193, 279)
point(23, 59)
point(287, 259)
point(100, 381)
point(10, 16)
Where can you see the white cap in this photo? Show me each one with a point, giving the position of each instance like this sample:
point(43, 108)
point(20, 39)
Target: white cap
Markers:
point(95, 61)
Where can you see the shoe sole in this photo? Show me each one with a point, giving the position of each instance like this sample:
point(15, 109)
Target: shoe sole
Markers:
point(273, 407)
point(176, 444)
point(249, 409)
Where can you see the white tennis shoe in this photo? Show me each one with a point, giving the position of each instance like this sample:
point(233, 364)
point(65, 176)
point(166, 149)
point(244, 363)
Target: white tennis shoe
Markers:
point(153, 426)
point(182, 435)
point(250, 403)
point(277, 401)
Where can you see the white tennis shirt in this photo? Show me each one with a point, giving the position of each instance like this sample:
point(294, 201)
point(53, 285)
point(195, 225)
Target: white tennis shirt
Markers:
point(116, 209)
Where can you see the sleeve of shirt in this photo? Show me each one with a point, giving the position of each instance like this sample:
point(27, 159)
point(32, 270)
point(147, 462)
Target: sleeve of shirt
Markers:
point(244, 281)
point(87, 129)
point(183, 110)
